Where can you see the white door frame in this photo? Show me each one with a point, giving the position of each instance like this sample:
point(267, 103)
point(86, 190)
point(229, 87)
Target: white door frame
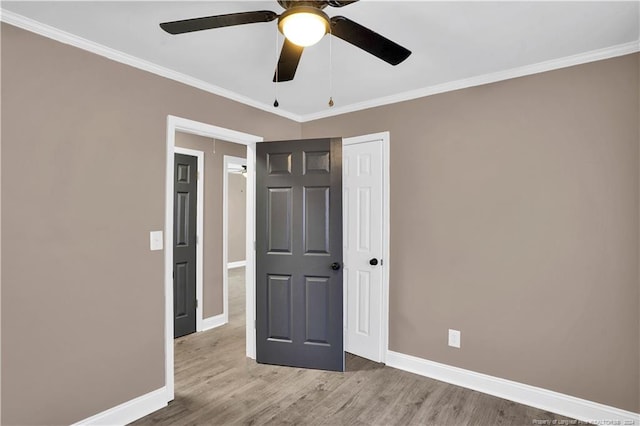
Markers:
point(384, 308)
point(199, 228)
point(228, 159)
point(195, 127)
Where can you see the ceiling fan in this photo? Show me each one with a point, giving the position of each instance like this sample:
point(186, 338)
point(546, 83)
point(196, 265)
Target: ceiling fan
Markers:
point(303, 24)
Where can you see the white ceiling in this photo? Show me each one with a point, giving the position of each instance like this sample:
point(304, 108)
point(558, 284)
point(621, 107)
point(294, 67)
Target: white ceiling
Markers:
point(450, 41)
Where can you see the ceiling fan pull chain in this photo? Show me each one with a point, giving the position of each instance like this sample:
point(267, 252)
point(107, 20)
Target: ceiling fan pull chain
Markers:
point(330, 68)
point(276, 104)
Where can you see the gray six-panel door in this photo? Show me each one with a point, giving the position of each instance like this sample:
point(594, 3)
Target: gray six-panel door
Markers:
point(184, 244)
point(299, 254)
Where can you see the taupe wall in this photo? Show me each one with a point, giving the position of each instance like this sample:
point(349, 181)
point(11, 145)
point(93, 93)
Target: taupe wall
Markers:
point(237, 198)
point(514, 218)
point(212, 241)
point(83, 172)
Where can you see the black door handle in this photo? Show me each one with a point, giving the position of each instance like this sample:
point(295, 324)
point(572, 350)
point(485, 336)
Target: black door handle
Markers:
point(335, 266)
point(373, 262)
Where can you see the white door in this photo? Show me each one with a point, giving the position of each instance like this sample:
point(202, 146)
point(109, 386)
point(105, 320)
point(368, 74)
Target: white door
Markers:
point(363, 245)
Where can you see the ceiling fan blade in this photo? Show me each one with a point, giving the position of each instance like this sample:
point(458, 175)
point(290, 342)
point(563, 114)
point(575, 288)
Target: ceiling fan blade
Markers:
point(368, 40)
point(288, 62)
point(340, 3)
point(218, 21)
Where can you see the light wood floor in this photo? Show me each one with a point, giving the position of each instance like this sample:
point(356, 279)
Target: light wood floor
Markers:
point(215, 384)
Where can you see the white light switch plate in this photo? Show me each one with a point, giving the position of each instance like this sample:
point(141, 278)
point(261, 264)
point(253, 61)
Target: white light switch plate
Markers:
point(454, 338)
point(155, 240)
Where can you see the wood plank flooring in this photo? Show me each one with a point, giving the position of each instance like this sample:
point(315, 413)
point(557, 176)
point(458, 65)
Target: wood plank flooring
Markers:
point(217, 385)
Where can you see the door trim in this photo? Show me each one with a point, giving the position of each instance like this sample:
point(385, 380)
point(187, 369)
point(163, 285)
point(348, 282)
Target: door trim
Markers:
point(227, 160)
point(199, 228)
point(195, 127)
point(384, 138)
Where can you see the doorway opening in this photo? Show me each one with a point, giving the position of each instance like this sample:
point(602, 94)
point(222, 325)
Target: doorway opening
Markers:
point(180, 125)
point(234, 207)
point(366, 265)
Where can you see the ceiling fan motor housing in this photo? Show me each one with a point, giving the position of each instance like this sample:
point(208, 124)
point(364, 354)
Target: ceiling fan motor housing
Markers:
point(289, 4)
point(318, 4)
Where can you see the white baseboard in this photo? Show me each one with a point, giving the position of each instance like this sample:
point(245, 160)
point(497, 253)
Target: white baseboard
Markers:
point(213, 322)
point(238, 264)
point(566, 405)
point(129, 411)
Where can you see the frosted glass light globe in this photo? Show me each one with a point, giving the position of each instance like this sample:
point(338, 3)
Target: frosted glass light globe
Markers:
point(304, 28)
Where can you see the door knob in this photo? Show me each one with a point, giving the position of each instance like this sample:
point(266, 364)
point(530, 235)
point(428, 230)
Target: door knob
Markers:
point(335, 266)
point(373, 262)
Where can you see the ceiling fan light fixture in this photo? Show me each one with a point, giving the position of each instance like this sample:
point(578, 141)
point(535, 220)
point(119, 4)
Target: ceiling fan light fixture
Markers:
point(303, 26)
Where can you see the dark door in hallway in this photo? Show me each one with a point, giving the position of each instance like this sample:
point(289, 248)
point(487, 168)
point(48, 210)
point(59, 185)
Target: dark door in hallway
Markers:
point(184, 240)
point(299, 254)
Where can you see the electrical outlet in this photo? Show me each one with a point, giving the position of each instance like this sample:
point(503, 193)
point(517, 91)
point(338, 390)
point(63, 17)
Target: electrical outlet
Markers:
point(454, 338)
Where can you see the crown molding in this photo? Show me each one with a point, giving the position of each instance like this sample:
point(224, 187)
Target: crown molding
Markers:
point(118, 56)
point(48, 31)
point(554, 64)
